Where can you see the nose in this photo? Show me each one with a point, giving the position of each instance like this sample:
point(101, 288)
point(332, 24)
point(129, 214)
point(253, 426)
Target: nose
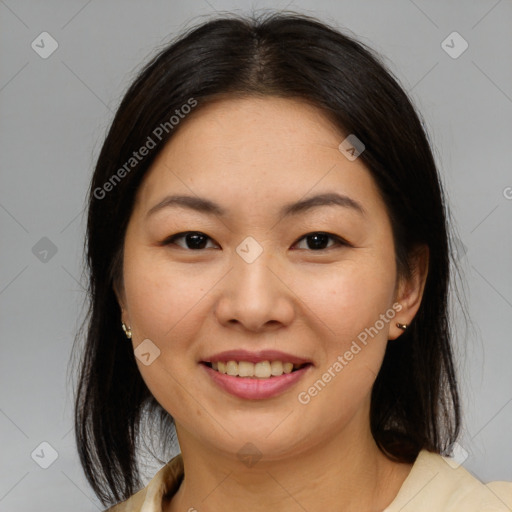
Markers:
point(255, 296)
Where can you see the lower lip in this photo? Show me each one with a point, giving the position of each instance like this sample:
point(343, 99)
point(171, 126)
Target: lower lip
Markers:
point(255, 388)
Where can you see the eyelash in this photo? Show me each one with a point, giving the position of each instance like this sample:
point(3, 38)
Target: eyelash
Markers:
point(340, 241)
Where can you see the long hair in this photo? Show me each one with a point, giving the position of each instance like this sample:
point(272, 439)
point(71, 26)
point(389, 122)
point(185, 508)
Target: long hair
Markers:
point(415, 401)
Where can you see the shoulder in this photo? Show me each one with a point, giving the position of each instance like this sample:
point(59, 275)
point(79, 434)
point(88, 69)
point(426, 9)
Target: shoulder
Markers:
point(163, 485)
point(438, 483)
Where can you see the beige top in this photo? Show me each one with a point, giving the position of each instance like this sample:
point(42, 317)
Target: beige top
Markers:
point(434, 484)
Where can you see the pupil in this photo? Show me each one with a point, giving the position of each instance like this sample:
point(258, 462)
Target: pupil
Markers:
point(319, 241)
point(194, 240)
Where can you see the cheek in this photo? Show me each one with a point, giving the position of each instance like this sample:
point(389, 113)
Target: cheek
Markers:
point(353, 349)
point(164, 304)
point(347, 304)
point(348, 297)
point(160, 295)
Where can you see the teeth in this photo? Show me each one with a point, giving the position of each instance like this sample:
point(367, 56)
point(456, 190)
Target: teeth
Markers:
point(232, 368)
point(288, 367)
point(246, 369)
point(261, 370)
point(276, 368)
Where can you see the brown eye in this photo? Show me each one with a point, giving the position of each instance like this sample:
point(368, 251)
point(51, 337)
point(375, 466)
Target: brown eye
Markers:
point(194, 240)
point(319, 241)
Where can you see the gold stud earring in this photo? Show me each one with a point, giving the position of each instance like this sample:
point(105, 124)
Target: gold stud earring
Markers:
point(127, 330)
point(401, 326)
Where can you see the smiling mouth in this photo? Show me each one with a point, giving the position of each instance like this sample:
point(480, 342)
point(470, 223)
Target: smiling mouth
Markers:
point(260, 370)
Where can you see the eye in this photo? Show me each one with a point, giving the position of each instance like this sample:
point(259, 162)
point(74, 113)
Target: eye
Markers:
point(194, 240)
point(318, 240)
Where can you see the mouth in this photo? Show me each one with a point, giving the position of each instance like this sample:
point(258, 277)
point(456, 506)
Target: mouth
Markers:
point(255, 381)
point(259, 370)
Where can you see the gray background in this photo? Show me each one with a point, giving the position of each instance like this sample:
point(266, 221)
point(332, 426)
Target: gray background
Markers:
point(54, 113)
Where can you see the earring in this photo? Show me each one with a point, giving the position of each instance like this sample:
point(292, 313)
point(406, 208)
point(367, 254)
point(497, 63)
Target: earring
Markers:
point(127, 330)
point(401, 326)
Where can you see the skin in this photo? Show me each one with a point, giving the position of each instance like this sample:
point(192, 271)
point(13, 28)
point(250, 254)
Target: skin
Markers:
point(252, 156)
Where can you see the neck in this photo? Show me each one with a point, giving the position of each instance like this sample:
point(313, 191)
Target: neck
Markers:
point(336, 475)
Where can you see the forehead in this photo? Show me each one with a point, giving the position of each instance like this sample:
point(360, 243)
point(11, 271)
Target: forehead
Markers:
point(265, 129)
point(258, 150)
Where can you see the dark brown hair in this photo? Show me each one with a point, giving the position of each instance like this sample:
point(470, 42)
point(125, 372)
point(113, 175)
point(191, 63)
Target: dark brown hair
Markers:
point(415, 402)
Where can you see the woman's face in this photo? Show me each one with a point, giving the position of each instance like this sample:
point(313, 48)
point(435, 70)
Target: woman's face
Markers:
point(251, 280)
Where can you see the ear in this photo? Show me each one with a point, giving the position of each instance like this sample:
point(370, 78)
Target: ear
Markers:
point(409, 290)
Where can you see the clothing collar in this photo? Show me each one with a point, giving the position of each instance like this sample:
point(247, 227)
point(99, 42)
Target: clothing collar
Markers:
point(434, 483)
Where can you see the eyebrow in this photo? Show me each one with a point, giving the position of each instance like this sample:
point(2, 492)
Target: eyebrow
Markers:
point(203, 205)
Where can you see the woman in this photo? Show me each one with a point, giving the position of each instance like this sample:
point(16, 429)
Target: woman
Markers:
point(269, 265)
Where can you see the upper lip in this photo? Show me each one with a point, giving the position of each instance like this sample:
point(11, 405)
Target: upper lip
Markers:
point(255, 357)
